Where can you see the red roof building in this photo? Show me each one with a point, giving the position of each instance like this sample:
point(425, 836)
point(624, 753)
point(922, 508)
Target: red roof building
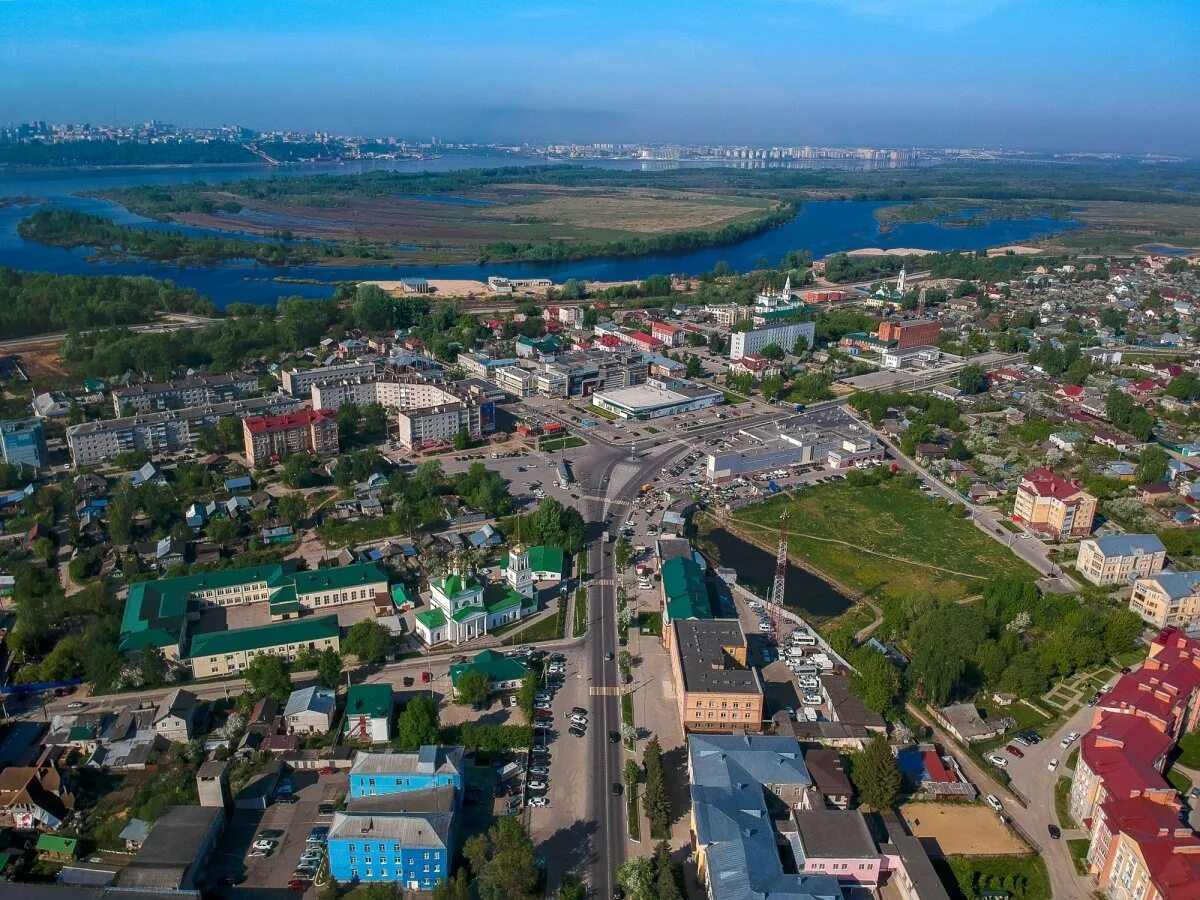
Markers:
point(1048, 503)
point(938, 773)
point(644, 341)
point(270, 438)
point(671, 335)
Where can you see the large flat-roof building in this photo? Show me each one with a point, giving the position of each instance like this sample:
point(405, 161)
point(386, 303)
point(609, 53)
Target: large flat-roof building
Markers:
point(1120, 558)
point(270, 438)
point(749, 343)
point(23, 442)
point(656, 398)
point(299, 382)
point(195, 390)
point(229, 652)
point(715, 689)
point(168, 431)
point(175, 853)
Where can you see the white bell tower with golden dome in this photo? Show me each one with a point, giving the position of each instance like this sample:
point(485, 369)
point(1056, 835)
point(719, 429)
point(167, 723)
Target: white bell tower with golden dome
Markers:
point(517, 573)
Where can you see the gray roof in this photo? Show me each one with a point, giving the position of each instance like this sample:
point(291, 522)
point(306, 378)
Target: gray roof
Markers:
point(179, 703)
point(174, 844)
point(732, 821)
point(428, 800)
point(1129, 544)
point(413, 829)
point(829, 833)
point(706, 666)
point(920, 870)
point(446, 759)
point(311, 699)
point(1177, 585)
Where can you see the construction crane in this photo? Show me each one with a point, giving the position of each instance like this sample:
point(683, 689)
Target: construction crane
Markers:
point(775, 600)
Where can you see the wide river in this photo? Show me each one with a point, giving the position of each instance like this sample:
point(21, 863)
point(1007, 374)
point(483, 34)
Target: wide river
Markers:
point(822, 227)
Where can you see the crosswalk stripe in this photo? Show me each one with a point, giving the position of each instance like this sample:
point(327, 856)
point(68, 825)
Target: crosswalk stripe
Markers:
point(605, 691)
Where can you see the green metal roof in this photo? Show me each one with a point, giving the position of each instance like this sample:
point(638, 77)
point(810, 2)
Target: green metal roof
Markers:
point(467, 612)
point(501, 596)
point(81, 733)
point(338, 577)
point(55, 843)
point(496, 666)
point(542, 558)
point(432, 618)
point(295, 631)
point(454, 585)
point(401, 595)
point(683, 586)
point(373, 700)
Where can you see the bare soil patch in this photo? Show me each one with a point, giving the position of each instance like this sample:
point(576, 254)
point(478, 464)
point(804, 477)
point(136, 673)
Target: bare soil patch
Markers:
point(962, 829)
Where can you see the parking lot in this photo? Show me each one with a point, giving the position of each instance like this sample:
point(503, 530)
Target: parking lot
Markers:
point(287, 825)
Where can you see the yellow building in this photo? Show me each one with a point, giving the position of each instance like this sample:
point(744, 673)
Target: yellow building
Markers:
point(715, 689)
point(1053, 506)
point(1168, 598)
point(229, 652)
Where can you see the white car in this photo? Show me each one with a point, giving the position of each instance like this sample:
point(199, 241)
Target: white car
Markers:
point(536, 786)
point(809, 681)
point(811, 699)
point(1052, 765)
point(580, 720)
point(998, 761)
point(538, 801)
point(263, 844)
point(539, 770)
point(994, 802)
point(544, 706)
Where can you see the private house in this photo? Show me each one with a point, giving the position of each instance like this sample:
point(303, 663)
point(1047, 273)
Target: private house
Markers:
point(310, 710)
point(369, 713)
point(35, 797)
point(964, 722)
point(1053, 506)
point(174, 716)
point(504, 673)
point(1120, 558)
point(57, 847)
point(464, 606)
point(1168, 599)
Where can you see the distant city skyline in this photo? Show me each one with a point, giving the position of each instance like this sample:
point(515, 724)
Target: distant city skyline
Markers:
point(1075, 75)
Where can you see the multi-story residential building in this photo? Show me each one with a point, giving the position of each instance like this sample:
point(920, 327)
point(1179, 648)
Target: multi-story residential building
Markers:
point(1149, 857)
point(1119, 758)
point(1120, 558)
point(169, 431)
point(195, 390)
point(1164, 690)
point(399, 823)
point(670, 335)
point(480, 365)
point(750, 343)
point(158, 613)
point(515, 380)
point(1050, 504)
point(737, 848)
point(1168, 598)
point(229, 652)
point(909, 333)
point(23, 442)
point(299, 382)
point(715, 689)
point(270, 438)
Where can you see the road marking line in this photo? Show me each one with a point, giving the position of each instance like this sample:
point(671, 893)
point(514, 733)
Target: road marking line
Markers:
point(605, 691)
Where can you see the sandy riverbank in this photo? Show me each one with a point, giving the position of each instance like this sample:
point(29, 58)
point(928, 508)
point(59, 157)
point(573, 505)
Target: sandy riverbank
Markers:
point(917, 251)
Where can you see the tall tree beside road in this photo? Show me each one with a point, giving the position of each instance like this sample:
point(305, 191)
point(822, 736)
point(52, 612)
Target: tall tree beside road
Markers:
point(152, 666)
point(666, 878)
point(268, 677)
point(622, 554)
point(503, 862)
point(472, 688)
point(525, 696)
point(971, 380)
point(875, 775)
point(418, 725)
point(877, 682)
point(637, 878)
point(657, 802)
point(367, 640)
point(329, 667)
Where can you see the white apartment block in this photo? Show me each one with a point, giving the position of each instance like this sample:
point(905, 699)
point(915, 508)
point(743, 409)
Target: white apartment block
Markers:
point(1120, 558)
point(748, 343)
point(297, 382)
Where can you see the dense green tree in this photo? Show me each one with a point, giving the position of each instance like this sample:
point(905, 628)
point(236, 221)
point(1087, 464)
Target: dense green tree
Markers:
point(771, 387)
point(299, 470)
point(503, 862)
point(293, 509)
point(268, 676)
point(418, 724)
point(772, 351)
point(456, 887)
point(571, 889)
point(656, 800)
point(527, 693)
point(636, 878)
point(372, 308)
point(472, 688)
point(223, 529)
point(367, 640)
point(152, 666)
point(1152, 465)
point(329, 668)
point(656, 286)
point(971, 379)
point(666, 878)
point(877, 682)
point(875, 775)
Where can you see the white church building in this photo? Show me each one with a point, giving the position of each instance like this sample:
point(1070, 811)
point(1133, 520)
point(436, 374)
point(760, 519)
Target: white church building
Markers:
point(462, 606)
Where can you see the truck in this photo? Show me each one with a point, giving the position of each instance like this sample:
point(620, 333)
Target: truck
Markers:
point(564, 475)
point(607, 536)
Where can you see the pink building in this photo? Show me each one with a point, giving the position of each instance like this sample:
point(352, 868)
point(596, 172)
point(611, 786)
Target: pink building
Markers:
point(669, 334)
point(835, 842)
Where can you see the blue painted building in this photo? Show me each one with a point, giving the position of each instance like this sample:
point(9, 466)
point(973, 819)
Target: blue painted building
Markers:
point(372, 774)
point(399, 821)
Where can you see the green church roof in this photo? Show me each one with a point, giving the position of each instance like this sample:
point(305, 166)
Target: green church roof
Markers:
point(542, 558)
point(432, 618)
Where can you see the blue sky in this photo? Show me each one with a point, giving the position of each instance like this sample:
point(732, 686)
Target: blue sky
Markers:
point(1121, 75)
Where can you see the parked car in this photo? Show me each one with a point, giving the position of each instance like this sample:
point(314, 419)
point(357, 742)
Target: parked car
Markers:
point(811, 698)
point(262, 844)
point(999, 761)
point(1052, 765)
point(994, 802)
point(538, 770)
point(1053, 831)
point(538, 801)
point(577, 730)
point(536, 786)
point(1015, 751)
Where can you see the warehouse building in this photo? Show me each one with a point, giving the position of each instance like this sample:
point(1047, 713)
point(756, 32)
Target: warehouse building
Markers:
point(657, 398)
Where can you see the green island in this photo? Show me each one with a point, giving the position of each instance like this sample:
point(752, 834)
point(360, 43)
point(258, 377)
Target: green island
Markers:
point(968, 213)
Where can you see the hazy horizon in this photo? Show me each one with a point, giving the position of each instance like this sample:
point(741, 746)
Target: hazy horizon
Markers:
point(1076, 75)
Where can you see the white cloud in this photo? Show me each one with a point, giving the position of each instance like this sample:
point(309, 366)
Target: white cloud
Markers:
point(928, 13)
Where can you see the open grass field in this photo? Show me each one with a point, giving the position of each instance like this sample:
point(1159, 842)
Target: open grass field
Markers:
point(1017, 877)
point(511, 212)
point(1117, 225)
point(962, 829)
point(887, 541)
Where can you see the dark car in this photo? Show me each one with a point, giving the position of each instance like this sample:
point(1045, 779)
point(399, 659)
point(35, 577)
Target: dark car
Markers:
point(1053, 831)
point(287, 798)
point(230, 880)
point(614, 737)
point(1015, 751)
point(577, 731)
point(617, 789)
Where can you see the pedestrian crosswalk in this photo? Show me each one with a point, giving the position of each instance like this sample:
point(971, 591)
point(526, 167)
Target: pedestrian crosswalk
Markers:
point(605, 691)
point(601, 582)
